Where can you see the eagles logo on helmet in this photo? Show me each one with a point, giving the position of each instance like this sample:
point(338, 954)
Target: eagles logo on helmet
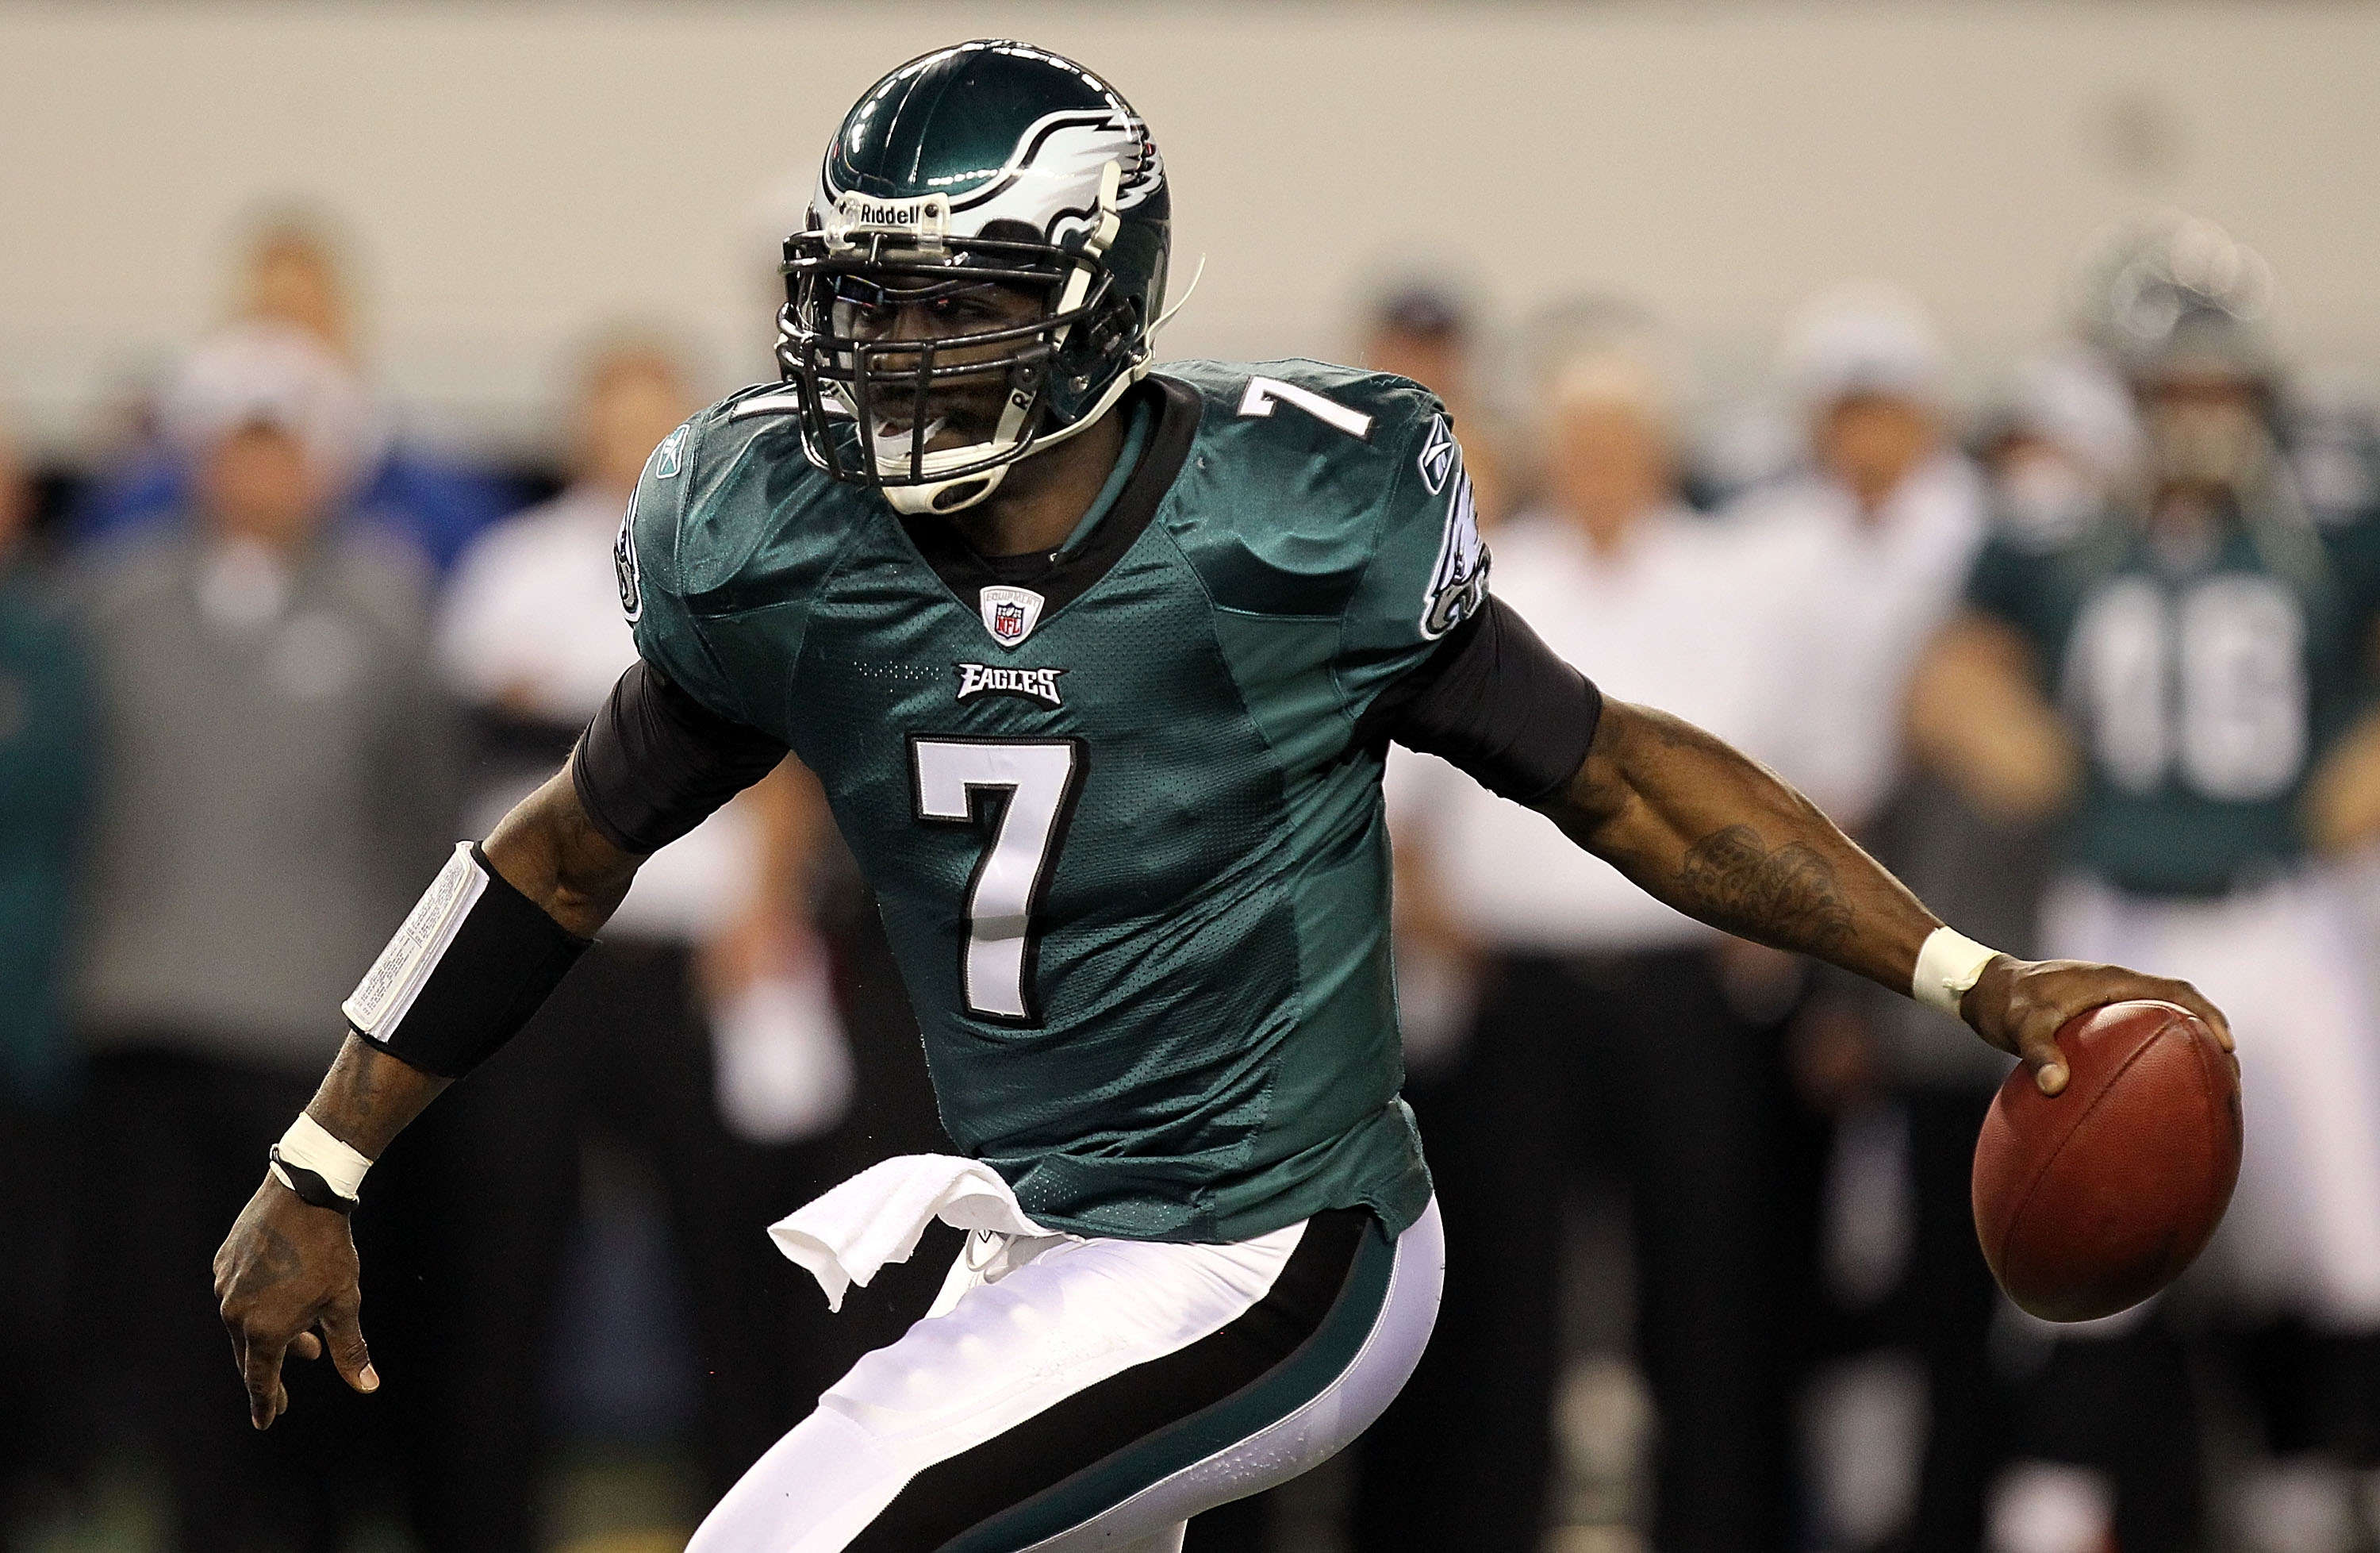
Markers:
point(988, 163)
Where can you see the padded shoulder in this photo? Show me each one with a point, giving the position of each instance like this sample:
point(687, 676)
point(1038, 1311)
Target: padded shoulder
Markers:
point(1374, 408)
point(727, 486)
point(1301, 472)
point(1336, 495)
point(728, 517)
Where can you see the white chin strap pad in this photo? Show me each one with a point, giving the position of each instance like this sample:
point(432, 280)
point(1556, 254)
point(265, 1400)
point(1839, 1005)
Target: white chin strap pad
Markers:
point(945, 496)
point(954, 495)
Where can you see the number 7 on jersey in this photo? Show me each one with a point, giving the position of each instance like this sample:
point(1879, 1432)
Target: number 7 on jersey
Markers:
point(1030, 787)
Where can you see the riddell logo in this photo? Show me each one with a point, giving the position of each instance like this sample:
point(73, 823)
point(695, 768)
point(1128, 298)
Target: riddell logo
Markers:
point(1033, 684)
point(926, 218)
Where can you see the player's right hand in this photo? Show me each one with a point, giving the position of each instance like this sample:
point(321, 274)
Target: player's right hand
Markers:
point(2020, 1006)
point(286, 1270)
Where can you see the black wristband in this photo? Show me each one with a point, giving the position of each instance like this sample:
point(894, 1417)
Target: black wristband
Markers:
point(310, 1186)
point(474, 961)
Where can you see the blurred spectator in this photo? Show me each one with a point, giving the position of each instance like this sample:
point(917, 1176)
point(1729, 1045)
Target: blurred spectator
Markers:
point(44, 776)
point(1422, 331)
point(2183, 672)
point(292, 281)
point(276, 778)
point(295, 275)
point(1867, 547)
point(1604, 1033)
point(1873, 540)
point(1913, 1304)
point(702, 1032)
point(2062, 441)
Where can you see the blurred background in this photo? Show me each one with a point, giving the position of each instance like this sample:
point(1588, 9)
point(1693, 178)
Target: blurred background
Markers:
point(1969, 409)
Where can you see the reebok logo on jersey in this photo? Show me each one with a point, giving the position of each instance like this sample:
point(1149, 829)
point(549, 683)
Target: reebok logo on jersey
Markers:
point(1437, 458)
point(668, 457)
point(1033, 684)
point(1009, 614)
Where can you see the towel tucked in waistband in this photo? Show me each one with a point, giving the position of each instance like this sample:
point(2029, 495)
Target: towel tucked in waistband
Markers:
point(845, 1235)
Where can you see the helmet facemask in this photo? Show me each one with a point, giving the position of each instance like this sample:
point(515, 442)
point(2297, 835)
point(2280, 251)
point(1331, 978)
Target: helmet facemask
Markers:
point(994, 387)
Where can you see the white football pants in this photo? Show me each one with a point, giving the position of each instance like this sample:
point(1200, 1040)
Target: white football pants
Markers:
point(1075, 1394)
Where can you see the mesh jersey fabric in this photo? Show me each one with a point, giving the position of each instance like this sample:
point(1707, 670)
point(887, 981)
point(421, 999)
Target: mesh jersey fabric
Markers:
point(1211, 1050)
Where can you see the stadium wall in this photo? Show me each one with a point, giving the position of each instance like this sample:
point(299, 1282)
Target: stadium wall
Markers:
point(516, 172)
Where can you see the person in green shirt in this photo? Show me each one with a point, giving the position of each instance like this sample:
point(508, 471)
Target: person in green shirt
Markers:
point(2179, 674)
point(1096, 662)
point(45, 772)
point(46, 740)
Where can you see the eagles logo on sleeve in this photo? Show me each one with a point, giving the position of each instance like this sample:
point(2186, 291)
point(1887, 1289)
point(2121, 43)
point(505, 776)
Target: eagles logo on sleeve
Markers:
point(624, 567)
point(1458, 585)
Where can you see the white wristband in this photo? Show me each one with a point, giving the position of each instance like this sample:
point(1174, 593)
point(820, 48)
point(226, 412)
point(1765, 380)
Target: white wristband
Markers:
point(1948, 964)
point(309, 1147)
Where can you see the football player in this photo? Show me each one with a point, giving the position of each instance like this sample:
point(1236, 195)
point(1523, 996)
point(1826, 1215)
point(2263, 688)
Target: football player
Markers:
point(2183, 671)
point(1097, 664)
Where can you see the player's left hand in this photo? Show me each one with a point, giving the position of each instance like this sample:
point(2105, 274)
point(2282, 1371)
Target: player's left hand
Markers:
point(287, 1283)
point(2021, 1005)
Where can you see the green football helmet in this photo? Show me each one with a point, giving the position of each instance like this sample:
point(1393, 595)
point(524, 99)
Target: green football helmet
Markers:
point(991, 164)
point(2170, 293)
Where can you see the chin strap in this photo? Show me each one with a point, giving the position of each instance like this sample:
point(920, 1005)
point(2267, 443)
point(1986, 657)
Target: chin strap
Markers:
point(916, 501)
point(1078, 285)
point(1096, 242)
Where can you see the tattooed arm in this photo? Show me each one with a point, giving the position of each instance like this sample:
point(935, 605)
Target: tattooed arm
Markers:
point(1722, 839)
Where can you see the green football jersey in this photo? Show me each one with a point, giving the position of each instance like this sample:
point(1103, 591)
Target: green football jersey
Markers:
point(2203, 689)
point(1126, 837)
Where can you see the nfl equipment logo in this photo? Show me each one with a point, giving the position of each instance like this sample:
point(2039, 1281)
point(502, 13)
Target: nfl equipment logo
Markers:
point(1010, 614)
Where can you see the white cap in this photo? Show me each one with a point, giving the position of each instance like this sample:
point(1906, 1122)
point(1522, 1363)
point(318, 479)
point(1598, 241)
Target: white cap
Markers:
point(1614, 377)
point(1861, 336)
point(2065, 394)
point(261, 371)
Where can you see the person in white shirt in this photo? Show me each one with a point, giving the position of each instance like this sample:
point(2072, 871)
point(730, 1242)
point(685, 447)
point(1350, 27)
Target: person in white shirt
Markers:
point(1872, 541)
point(1870, 544)
point(1581, 981)
point(702, 1032)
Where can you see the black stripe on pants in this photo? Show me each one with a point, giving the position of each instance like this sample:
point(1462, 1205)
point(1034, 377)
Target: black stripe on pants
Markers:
point(1103, 1420)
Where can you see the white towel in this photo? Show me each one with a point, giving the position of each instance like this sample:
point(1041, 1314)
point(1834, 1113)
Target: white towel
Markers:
point(877, 1216)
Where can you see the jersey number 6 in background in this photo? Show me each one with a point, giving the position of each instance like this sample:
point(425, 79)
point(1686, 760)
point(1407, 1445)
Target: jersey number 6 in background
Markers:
point(1024, 792)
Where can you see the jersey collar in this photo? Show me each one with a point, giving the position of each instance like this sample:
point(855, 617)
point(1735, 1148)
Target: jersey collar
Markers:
point(1080, 568)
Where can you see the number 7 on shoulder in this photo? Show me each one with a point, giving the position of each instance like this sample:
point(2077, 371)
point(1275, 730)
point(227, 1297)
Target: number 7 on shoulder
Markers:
point(1263, 392)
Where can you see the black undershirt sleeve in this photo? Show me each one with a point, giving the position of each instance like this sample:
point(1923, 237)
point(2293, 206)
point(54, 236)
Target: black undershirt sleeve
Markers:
point(655, 763)
point(1496, 702)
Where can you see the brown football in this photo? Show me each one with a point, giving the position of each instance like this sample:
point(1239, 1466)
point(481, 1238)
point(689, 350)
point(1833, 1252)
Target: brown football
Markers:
point(2094, 1200)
